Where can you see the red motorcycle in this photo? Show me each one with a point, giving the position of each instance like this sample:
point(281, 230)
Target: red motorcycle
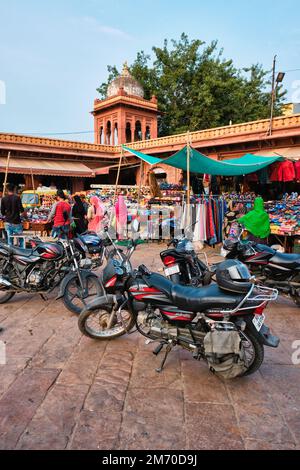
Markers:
point(223, 327)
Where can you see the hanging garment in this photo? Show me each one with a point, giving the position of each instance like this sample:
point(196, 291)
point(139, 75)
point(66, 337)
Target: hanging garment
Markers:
point(297, 169)
point(211, 234)
point(197, 230)
point(286, 171)
point(263, 175)
point(251, 178)
point(273, 169)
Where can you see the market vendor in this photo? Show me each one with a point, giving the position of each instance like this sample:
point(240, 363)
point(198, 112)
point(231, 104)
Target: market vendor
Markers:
point(257, 222)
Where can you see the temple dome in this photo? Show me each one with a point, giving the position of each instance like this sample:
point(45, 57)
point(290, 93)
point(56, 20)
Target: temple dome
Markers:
point(125, 81)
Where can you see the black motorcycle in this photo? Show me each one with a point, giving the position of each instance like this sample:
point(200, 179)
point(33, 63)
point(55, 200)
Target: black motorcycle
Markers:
point(271, 268)
point(183, 266)
point(46, 266)
point(223, 328)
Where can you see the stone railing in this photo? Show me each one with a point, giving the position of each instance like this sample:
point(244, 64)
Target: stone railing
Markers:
point(56, 143)
point(262, 126)
point(279, 123)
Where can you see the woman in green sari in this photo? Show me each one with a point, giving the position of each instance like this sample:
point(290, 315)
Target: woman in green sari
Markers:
point(257, 221)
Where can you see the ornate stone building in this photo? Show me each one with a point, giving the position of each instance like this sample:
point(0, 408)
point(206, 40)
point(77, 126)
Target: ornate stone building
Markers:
point(126, 117)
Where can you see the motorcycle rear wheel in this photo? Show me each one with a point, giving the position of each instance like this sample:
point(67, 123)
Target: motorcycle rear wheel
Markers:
point(93, 323)
point(5, 296)
point(250, 341)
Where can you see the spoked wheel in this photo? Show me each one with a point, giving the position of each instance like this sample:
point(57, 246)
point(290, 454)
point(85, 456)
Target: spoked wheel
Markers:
point(76, 298)
point(5, 296)
point(296, 296)
point(104, 323)
point(254, 351)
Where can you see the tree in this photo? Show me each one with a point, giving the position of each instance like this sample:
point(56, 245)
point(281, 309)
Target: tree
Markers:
point(198, 88)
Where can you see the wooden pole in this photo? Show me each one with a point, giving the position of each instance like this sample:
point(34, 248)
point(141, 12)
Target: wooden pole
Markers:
point(32, 180)
point(141, 177)
point(118, 174)
point(6, 173)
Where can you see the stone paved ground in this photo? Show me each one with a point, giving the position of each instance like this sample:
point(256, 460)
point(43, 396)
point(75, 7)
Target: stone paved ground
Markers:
point(60, 390)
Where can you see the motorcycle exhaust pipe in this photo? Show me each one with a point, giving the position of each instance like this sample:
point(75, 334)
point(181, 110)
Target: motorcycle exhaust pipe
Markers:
point(4, 283)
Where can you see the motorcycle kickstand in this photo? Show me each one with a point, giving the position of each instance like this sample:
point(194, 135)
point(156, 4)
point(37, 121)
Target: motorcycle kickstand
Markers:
point(44, 297)
point(168, 349)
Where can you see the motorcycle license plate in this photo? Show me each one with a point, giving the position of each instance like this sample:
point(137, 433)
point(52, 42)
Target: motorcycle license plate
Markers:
point(172, 270)
point(258, 321)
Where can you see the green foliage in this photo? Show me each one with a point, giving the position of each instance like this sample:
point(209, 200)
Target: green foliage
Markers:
point(198, 88)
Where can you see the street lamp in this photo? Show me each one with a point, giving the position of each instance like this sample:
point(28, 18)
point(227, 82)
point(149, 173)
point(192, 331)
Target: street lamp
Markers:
point(275, 83)
point(280, 77)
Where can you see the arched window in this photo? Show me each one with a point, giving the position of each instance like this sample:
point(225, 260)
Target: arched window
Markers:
point(138, 131)
point(101, 133)
point(148, 133)
point(108, 133)
point(128, 133)
point(116, 137)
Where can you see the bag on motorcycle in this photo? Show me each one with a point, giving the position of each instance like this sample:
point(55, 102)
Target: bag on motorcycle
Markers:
point(224, 353)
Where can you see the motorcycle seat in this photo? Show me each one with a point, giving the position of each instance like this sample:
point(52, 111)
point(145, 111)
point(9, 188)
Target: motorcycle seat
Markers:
point(199, 299)
point(14, 250)
point(288, 260)
point(195, 299)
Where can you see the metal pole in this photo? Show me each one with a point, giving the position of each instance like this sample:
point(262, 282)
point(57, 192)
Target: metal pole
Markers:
point(118, 174)
point(272, 96)
point(188, 176)
point(6, 173)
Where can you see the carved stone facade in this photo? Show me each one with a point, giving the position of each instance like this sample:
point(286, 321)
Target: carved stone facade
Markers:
point(125, 116)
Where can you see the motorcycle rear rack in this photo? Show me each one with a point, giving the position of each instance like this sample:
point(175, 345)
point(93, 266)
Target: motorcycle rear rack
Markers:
point(262, 294)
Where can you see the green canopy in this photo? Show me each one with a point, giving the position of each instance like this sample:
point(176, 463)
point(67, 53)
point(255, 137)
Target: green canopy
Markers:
point(146, 158)
point(199, 163)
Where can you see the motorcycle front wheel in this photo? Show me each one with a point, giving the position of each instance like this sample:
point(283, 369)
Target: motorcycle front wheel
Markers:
point(75, 298)
point(103, 323)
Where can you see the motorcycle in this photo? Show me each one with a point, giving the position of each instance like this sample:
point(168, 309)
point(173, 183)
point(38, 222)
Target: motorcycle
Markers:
point(183, 266)
point(271, 268)
point(223, 328)
point(46, 266)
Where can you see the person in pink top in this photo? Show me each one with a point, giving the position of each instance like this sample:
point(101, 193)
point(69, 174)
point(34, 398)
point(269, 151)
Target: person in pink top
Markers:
point(95, 214)
point(121, 216)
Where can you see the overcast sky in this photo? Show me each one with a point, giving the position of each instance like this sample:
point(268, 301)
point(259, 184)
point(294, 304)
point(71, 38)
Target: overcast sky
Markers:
point(54, 54)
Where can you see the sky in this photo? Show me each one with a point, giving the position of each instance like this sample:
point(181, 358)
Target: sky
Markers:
point(54, 54)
